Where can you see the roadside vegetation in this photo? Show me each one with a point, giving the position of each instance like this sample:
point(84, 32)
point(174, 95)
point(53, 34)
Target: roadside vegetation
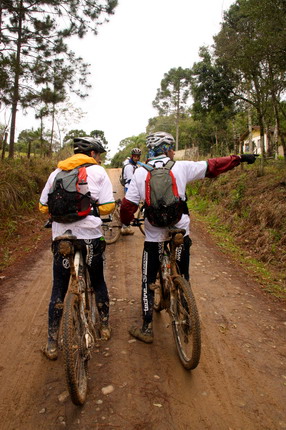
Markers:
point(245, 213)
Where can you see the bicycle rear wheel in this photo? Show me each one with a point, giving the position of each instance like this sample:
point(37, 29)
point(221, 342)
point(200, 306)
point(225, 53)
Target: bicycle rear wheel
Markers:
point(186, 324)
point(112, 229)
point(73, 349)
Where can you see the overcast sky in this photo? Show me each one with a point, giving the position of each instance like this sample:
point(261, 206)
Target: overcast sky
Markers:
point(143, 40)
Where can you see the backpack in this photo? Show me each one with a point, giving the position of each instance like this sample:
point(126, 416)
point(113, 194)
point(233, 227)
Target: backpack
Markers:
point(122, 180)
point(121, 177)
point(69, 198)
point(163, 205)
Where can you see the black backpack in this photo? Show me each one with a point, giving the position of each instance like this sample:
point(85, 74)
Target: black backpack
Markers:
point(163, 205)
point(69, 199)
point(121, 177)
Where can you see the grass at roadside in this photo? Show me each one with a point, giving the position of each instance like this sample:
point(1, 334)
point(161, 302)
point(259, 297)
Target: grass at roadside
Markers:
point(246, 216)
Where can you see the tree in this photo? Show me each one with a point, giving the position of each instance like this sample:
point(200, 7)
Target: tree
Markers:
point(31, 140)
point(125, 147)
point(33, 51)
point(173, 95)
point(251, 48)
point(211, 88)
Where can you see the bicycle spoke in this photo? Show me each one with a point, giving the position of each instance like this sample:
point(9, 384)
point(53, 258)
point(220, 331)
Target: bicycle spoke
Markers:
point(186, 325)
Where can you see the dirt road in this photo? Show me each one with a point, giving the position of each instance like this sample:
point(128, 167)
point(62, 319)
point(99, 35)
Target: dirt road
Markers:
point(240, 383)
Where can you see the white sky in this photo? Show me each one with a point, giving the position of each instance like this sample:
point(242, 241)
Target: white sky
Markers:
point(143, 40)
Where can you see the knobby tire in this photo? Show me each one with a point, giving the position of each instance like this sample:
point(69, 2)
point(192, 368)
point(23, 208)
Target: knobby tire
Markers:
point(141, 216)
point(75, 364)
point(186, 325)
point(112, 230)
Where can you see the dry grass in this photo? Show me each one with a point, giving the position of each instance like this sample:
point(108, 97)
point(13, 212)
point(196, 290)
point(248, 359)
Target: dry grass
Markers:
point(251, 208)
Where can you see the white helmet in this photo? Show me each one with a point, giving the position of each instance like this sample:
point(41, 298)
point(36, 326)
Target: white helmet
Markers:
point(156, 139)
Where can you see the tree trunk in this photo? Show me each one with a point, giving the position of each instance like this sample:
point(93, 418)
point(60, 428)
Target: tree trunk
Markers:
point(29, 150)
point(52, 131)
point(249, 118)
point(15, 99)
point(262, 145)
point(4, 143)
point(177, 120)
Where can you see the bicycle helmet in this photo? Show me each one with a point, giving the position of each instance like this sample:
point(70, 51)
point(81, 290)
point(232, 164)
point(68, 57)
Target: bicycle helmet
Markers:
point(156, 139)
point(83, 145)
point(136, 151)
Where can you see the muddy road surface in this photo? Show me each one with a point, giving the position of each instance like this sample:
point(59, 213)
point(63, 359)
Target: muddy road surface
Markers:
point(240, 383)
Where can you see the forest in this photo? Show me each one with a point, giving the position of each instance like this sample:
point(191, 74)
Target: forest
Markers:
point(237, 85)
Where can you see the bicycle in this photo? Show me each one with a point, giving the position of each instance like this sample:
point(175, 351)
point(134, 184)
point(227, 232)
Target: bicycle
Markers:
point(111, 225)
point(78, 324)
point(173, 293)
point(140, 216)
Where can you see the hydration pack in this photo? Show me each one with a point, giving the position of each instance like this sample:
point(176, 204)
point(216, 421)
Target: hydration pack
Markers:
point(122, 180)
point(121, 177)
point(163, 205)
point(69, 198)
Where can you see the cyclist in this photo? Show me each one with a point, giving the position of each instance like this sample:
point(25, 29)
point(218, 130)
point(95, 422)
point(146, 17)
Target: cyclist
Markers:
point(129, 167)
point(89, 234)
point(161, 150)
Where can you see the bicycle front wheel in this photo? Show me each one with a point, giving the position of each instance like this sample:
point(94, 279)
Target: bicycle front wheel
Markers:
point(186, 324)
point(141, 216)
point(158, 294)
point(112, 229)
point(73, 349)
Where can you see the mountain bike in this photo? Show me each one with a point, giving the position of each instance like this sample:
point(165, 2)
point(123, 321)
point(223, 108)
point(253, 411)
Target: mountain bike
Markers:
point(111, 224)
point(173, 293)
point(78, 324)
point(139, 216)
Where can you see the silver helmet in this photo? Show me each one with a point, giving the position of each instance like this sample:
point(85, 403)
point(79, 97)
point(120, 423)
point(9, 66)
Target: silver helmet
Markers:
point(156, 139)
point(136, 151)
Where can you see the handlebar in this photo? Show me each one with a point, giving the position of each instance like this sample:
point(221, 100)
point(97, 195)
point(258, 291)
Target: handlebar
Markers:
point(136, 222)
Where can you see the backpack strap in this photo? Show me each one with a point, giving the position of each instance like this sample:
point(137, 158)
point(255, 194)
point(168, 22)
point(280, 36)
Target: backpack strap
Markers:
point(169, 164)
point(148, 167)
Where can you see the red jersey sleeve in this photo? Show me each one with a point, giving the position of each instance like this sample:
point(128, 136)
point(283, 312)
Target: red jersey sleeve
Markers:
point(216, 166)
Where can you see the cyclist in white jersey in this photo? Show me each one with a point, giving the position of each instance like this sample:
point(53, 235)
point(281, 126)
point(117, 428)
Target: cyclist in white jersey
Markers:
point(161, 150)
point(130, 166)
point(87, 150)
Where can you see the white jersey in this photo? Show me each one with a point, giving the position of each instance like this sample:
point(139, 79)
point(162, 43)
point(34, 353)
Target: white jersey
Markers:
point(129, 170)
point(101, 191)
point(184, 172)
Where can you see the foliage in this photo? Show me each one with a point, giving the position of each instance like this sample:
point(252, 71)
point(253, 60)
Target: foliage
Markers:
point(33, 141)
point(125, 147)
point(250, 48)
point(21, 182)
point(173, 96)
point(250, 208)
point(36, 64)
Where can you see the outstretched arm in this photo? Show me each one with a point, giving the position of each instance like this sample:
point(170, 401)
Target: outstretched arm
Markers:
point(216, 166)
